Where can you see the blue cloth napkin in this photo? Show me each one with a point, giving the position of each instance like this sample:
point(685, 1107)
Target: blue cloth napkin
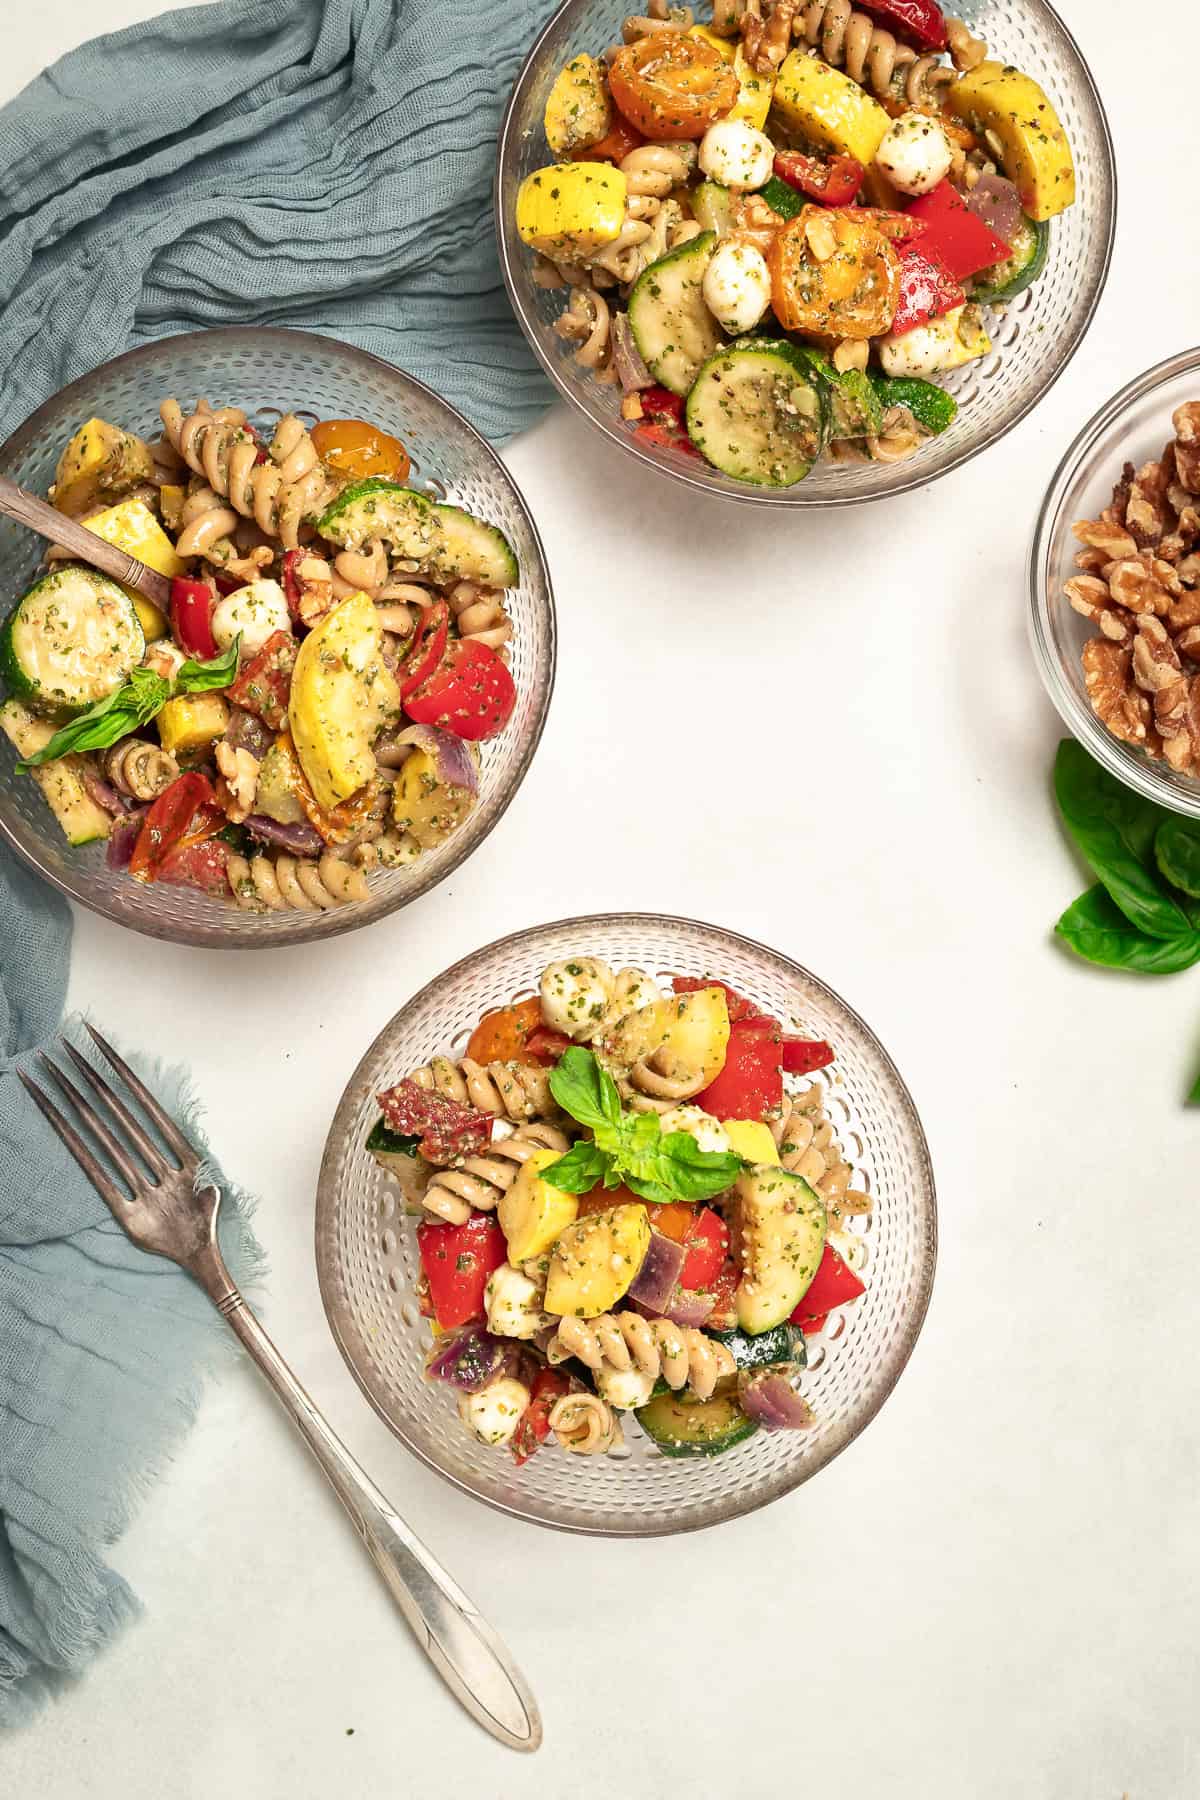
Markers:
point(103, 1349)
point(318, 163)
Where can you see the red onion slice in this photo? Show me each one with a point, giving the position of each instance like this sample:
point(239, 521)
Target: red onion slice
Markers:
point(123, 837)
point(769, 1396)
point(246, 732)
point(298, 840)
point(104, 793)
point(687, 1307)
point(631, 371)
point(471, 1359)
point(452, 760)
point(655, 1281)
point(995, 200)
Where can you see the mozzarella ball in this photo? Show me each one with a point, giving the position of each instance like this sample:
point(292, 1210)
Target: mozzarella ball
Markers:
point(575, 995)
point(926, 350)
point(915, 153)
point(625, 1388)
point(632, 989)
point(708, 1132)
point(737, 286)
point(258, 611)
point(512, 1303)
point(737, 155)
point(494, 1415)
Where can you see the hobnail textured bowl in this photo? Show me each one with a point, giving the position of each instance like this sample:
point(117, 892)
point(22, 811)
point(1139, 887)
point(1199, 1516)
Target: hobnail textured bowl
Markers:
point(367, 1261)
point(1033, 340)
point(1131, 427)
point(266, 371)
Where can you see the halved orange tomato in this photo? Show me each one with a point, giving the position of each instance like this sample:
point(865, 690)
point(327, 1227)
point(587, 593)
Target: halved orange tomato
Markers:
point(357, 450)
point(670, 85)
point(840, 278)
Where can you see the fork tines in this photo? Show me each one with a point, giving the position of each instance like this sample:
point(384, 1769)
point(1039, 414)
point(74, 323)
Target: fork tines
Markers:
point(154, 1164)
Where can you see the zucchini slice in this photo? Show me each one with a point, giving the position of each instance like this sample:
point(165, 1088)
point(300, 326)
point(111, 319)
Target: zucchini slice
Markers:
point(672, 327)
point(855, 409)
point(681, 1425)
point(1005, 280)
point(61, 782)
point(713, 206)
point(467, 549)
point(403, 520)
point(70, 641)
point(784, 1344)
point(781, 1225)
point(758, 413)
point(782, 198)
point(930, 405)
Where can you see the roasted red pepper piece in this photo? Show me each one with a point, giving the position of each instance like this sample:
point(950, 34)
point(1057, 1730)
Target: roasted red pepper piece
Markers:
point(833, 1285)
point(751, 1083)
point(428, 648)
point(265, 682)
point(927, 289)
point(802, 1055)
point(707, 1246)
point(546, 1046)
point(185, 813)
point(192, 604)
point(457, 1260)
point(533, 1427)
point(197, 865)
point(833, 181)
point(723, 1316)
point(446, 1128)
point(663, 420)
point(739, 1007)
point(469, 693)
point(896, 227)
point(917, 22)
point(958, 238)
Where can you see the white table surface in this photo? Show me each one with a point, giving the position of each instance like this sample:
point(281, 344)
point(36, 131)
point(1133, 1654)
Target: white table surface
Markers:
point(991, 1594)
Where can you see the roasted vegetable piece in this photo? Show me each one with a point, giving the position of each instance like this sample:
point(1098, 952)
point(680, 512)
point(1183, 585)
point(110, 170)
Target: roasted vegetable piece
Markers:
point(445, 1128)
point(1019, 269)
point(681, 1425)
point(834, 275)
point(802, 1055)
point(779, 1232)
point(99, 460)
point(672, 85)
point(503, 1035)
point(532, 1213)
point(833, 180)
point(930, 405)
point(61, 781)
point(829, 109)
point(751, 1140)
point(571, 209)
point(264, 685)
point(918, 22)
point(753, 101)
point(834, 1284)
point(614, 146)
point(189, 722)
point(549, 1385)
point(957, 237)
point(342, 694)
point(469, 694)
point(185, 813)
point(757, 413)
point(356, 450)
point(578, 110)
point(927, 290)
point(750, 1085)
point(1036, 155)
point(70, 641)
point(595, 1260)
point(457, 1260)
point(686, 1035)
point(132, 527)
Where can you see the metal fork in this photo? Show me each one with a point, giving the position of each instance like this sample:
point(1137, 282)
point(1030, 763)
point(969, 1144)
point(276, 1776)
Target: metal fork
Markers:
point(164, 1214)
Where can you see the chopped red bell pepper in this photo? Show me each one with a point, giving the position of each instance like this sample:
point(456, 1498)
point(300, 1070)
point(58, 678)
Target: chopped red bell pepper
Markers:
point(957, 237)
point(707, 1247)
point(832, 181)
point(185, 813)
point(802, 1055)
point(470, 692)
point(457, 1260)
point(751, 1082)
point(427, 649)
point(664, 420)
point(927, 289)
point(192, 604)
point(546, 1046)
point(833, 1285)
point(533, 1427)
point(917, 22)
point(264, 683)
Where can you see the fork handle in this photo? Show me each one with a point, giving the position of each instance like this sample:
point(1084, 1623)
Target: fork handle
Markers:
point(17, 503)
point(461, 1645)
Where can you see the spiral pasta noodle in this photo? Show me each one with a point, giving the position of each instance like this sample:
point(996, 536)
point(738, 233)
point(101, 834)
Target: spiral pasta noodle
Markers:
point(655, 169)
point(809, 1148)
point(507, 1090)
point(585, 1425)
point(483, 1180)
point(139, 769)
point(852, 40)
point(587, 322)
point(278, 494)
point(285, 883)
point(681, 1355)
point(479, 613)
point(650, 1090)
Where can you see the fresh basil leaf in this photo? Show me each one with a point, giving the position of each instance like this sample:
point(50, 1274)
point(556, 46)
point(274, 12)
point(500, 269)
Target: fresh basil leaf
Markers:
point(391, 1143)
point(1177, 853)
point(197, 677)
point(579, 1170)
point(1193, 1098)
point(697, 1174)
point(114, 717)
point(585, 1090)
point(1115, 831)
point(646, 1188)
point(1099, 931)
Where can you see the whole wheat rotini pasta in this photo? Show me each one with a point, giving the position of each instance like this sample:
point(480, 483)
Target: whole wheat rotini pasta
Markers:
point(279, 494)
point(510, 1090)
point(479, 1182)
point(287, 883)
point(683, 1356)
point(585, 1425)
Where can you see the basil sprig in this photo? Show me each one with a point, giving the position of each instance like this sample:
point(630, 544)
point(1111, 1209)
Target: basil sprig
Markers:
point(134, 704)
point(1143, 914)
point(628, 1147)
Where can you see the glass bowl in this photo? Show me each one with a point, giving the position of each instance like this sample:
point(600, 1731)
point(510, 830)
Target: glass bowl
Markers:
point(1034, 338)
point(268, 370)
point(1132, 427)
point(367, 1261)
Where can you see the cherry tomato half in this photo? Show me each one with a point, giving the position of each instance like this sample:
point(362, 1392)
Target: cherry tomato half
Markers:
point(670, 85)
point(850, 291)
point(185, 813)
point(357, 450)
point(501, 1036)
point(469, 693)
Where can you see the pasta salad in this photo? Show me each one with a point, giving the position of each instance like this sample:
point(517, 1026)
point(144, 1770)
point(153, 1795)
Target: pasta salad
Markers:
point(776, 230)
point(630, 1209)
point(336, 649)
